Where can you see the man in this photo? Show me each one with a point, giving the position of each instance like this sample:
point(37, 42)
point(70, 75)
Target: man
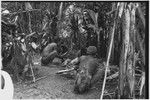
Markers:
point(49, 53)
point(87, 70)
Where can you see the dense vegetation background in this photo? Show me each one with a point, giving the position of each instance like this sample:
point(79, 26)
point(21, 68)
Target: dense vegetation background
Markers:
point(77, 25)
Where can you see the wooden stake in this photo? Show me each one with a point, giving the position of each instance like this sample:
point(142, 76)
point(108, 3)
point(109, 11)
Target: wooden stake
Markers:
point(32, 73)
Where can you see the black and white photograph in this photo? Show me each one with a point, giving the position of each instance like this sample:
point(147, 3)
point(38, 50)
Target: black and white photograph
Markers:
point(74, 50)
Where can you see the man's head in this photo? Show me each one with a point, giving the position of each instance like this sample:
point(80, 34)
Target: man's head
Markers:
point(91, 50)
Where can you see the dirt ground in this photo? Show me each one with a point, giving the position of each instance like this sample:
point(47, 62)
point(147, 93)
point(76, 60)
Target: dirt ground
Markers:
point(53, 87)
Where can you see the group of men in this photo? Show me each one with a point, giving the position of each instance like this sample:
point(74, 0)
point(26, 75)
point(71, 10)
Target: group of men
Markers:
point(87, 66)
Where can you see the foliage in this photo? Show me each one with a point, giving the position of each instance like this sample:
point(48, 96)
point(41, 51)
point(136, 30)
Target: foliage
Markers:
point(77, 25)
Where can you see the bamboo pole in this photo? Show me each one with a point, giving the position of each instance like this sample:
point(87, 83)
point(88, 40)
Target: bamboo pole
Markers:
point(108, 58)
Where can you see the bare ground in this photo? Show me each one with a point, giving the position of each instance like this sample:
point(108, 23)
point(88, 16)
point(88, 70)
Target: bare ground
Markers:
point(53, 87)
